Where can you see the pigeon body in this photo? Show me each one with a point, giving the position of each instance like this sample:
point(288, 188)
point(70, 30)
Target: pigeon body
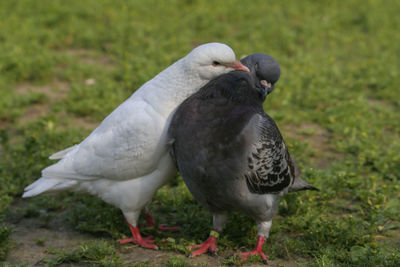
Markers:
point(125, 159)
point(230, 153)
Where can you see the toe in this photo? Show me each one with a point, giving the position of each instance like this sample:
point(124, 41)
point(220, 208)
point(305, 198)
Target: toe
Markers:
point(194, 246)
point(198, 252)
point(148, 245)
point(126, 240)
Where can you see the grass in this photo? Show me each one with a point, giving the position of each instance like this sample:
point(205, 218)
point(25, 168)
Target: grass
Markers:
point(99, 252)
point(337, 104)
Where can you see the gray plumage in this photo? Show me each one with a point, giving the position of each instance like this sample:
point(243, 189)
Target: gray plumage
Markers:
point(263, 67)
point(229, 152)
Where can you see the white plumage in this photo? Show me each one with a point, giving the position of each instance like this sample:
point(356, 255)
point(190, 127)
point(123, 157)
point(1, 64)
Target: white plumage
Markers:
point(125, 159)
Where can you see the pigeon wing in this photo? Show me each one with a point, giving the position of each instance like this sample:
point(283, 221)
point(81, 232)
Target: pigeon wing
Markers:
point(269, 168)
point(123, 147)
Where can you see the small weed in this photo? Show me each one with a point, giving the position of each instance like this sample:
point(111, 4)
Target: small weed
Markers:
point(5, 233)
point(31, 212)
point(40, 241)
point(142, 264)
point(178, 261)
point(99, 252)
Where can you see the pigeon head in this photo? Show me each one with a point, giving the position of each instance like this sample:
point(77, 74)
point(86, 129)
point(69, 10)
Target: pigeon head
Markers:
point(213, 59)
point(265, 71)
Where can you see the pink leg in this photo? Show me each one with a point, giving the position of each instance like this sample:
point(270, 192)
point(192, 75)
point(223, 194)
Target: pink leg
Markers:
point(136, 238)
point(150, 222)
point(257, 250)
point(209, 245)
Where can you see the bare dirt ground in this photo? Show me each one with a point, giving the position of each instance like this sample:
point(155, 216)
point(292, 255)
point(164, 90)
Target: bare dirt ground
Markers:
point(317, 138)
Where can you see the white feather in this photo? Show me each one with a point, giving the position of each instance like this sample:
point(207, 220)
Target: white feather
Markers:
point(125, 159)
point(60, 154)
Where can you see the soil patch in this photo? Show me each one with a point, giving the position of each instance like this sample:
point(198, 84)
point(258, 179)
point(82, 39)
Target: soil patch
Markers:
point(90, 57)
point(318, 138)
point(53, 91)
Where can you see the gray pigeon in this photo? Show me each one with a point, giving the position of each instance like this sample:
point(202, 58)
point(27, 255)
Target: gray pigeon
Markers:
point(231, 154)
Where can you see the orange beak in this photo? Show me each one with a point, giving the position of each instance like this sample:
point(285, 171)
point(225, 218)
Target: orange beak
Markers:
point(237, 65)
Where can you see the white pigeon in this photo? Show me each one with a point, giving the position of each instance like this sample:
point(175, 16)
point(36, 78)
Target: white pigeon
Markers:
point(125, 159)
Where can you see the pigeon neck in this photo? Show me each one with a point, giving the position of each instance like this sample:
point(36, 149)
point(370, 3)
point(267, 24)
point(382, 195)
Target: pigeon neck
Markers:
point(170, 87)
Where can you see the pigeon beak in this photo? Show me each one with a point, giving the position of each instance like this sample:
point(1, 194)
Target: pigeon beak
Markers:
point(237, 65)
point(266, 84)
point(265, 88)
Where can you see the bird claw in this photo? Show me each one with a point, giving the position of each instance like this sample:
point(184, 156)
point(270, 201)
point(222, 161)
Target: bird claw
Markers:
point(126, 240)
point(151, 223)
point(195, 246)
point(144, 242)
point(244, 255)
point(209, 245)
point(257, 250)
point(148, 244)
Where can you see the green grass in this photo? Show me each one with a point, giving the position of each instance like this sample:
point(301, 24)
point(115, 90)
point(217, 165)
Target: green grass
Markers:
point(337, 102)
point(99, 252)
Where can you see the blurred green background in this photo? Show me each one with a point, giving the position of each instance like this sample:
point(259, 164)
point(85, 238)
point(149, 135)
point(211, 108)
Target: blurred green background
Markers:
point(65, 65)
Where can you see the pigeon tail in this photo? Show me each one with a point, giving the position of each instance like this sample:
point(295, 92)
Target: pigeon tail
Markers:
point(48, 185)
point(299, 184)
point(62, 153)
point(39, 187)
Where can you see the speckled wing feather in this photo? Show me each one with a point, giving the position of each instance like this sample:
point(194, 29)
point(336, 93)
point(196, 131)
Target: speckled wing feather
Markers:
point(270, 169)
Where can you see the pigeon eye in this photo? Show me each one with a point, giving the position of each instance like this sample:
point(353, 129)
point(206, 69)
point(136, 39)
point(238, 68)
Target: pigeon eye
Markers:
point(216, 63)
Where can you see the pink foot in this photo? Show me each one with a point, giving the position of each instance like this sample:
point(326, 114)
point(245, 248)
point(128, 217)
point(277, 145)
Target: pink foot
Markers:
point(150, 223)
point(146, 242)
point(209, 245)
point(257, 250)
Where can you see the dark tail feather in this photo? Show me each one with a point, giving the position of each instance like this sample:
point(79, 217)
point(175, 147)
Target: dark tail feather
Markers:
point(300, 184)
